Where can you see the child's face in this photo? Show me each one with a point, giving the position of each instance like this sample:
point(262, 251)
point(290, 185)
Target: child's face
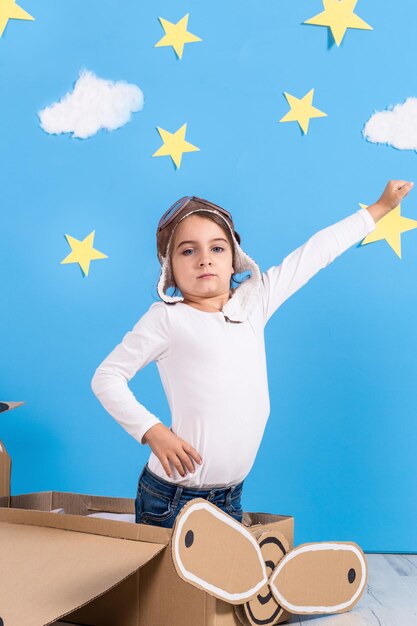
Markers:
point(210, 252)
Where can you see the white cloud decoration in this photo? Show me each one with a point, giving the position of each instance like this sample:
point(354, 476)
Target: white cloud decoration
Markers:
point(396, 126)
point(93, 104)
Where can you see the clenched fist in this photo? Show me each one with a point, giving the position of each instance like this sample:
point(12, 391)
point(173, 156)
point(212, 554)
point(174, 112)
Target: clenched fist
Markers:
point(394, 192)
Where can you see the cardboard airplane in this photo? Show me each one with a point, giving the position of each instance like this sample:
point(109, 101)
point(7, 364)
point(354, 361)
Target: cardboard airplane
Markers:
point(208, 569)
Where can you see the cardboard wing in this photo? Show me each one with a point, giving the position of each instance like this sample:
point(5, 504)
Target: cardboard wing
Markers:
point(48, 572)
point(216, 553)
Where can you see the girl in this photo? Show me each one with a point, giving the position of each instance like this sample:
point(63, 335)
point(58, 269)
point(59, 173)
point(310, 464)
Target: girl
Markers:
point(208, 344)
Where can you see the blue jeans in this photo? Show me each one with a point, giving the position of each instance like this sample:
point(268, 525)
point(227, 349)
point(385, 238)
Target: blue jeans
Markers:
point(158, 501)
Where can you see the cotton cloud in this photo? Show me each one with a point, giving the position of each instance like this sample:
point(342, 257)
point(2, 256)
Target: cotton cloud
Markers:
point(93, 104)
point(396, 126)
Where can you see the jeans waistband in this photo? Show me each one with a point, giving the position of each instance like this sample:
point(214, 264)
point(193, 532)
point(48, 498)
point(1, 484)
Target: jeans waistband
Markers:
point(196, 492)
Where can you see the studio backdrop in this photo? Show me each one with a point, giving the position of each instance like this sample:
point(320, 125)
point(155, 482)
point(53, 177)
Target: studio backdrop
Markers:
point(291, 115)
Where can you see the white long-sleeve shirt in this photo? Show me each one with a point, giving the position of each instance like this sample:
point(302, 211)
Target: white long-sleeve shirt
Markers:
point(213, 371)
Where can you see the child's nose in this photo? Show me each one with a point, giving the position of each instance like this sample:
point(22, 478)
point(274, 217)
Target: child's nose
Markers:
point(205, 257)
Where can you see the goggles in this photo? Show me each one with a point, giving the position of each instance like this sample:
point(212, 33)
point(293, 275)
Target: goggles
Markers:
point(173, 210)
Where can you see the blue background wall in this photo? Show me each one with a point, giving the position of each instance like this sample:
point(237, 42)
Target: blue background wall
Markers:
point(339, 447)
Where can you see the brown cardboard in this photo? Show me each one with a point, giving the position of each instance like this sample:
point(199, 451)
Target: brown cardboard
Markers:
point(60, 563)
point(99, 572)
point(52, 571)
point(264, 609)
point(5, 475)
point(217, 554)
point(324, 577)
point(5, 461)
point(153, 594)
point(214, 552)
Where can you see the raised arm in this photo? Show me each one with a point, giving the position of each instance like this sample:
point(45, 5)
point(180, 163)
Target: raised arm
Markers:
point(146, 342)
point(280, 282)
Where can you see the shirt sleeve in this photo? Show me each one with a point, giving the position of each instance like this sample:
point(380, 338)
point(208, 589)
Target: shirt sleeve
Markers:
point(280, 282)
point(146, 342)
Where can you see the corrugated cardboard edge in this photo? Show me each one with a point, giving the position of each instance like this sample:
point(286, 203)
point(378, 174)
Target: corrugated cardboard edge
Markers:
point(92, 525)
point(72, 503)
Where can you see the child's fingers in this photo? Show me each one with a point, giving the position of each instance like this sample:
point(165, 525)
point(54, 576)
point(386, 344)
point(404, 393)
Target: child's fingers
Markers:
point(176, 462)
point(165, 464)
point(395, 191)
point(192, 452)
point(404, 185)
point(186, 461)
point(404, 190)
point(397, 184)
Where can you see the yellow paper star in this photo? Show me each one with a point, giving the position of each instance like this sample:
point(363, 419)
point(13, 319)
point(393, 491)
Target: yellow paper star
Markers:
point(338, 15)
point(9, 10)
point(301, 110)
point(83, 252)
point(174, 144)
point(390, 228)
point(176, 35)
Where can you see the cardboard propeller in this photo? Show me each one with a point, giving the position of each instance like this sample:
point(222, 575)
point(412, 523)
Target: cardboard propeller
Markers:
point(216, 553)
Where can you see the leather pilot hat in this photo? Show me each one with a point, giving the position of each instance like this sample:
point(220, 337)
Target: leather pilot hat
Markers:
point(239, 305)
